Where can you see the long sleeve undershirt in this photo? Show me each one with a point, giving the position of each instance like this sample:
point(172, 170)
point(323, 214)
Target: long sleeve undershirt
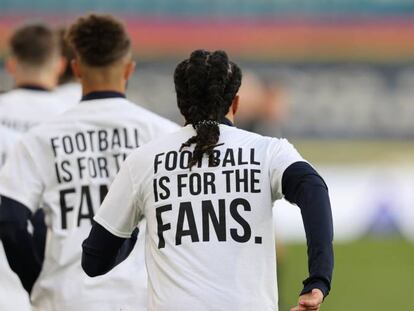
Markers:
point(102, 251)
point(24, 251)
point(303, 186)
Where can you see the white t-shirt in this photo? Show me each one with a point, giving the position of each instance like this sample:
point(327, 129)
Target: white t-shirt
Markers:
point(210, 239)
point(21, 109)
point(12, 294)
point(8, 138)
point(69, 93)
point(66, 165)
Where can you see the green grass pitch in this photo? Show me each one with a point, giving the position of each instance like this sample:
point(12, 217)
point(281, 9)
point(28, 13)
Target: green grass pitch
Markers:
point(370, 274)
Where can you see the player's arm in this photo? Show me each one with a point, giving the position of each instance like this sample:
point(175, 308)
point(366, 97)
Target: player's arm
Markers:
point(114, 233)
point(39, 232)
point(303, 186)
point(19, 245)
point(21, 187)
point(103, 251)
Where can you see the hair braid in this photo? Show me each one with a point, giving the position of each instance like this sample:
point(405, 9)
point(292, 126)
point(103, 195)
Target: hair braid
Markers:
point(206, 85)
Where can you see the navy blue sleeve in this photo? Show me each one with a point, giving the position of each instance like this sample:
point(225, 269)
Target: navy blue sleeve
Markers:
point(303, 186)
point(19, 246)
point(102, 251)
point(39, 233)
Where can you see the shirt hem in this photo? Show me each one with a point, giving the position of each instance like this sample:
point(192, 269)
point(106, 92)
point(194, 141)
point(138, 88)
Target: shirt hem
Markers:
point(17, 197)
point(112, 230)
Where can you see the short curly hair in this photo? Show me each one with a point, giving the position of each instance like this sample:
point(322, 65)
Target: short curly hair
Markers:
point(34, 44)
point(99, 40)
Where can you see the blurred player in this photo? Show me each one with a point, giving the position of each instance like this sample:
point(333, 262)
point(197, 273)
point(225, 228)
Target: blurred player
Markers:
point(69, 89)
point(67, 164)
point(207, 193)
point(35, 65)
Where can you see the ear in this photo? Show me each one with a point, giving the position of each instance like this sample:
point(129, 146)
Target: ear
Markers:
point(235, 105)
point(11, 66)
point(75, 68)
point(129, 70)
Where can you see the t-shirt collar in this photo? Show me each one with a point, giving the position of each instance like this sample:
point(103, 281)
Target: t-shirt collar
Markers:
point(226, 121)
point(32, 87)
point(102, 95)
point(223, 121)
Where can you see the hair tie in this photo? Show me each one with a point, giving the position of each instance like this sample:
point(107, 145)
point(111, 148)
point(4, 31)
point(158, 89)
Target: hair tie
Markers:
point(206, 123)
point(229, 69)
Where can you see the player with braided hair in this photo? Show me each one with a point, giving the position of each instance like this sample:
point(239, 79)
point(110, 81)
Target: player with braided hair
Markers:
point(207, 193)
point(202, 106)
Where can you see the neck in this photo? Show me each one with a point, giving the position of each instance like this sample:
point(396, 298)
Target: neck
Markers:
point(102, 95)
point(41, 82)
point(90, 87)
point(230, 117)
point(45, 76)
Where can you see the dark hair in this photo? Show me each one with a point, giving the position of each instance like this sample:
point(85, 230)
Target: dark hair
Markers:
point(99, 40)
point(68, 53)
point(34, 44)
point(206, 85)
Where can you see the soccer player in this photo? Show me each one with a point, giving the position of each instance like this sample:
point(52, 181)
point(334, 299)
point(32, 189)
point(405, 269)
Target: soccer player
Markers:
point(67, 164)
point(35, 65)
point(207, 193)
point(69, 89)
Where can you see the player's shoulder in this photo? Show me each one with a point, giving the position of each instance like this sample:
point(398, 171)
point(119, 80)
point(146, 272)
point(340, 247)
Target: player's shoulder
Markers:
point(161, 144)
point(165, 141)
point(271, 146)
point(71, 89)
point(242, 134)
point(279, 145)
point(122, 109)
point(69, 93)
point(41, 133)
point(8, 96)
point(150, 116)
point(29, 97)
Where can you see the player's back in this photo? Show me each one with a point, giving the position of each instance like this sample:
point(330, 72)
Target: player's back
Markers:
point(77, 155)
point(23, 108)
point(210, 231)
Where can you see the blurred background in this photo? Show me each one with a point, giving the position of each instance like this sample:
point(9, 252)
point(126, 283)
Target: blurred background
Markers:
point(336, 77)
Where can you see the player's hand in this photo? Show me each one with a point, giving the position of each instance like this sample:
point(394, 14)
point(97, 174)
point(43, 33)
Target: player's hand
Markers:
point(310, 302)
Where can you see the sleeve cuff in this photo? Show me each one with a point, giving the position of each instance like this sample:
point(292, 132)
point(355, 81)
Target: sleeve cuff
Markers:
point(118, 233)
point(310, 284)
point(4, 192)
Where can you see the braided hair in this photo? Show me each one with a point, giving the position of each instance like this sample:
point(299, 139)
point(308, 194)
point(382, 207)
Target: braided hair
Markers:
point(206, 85)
